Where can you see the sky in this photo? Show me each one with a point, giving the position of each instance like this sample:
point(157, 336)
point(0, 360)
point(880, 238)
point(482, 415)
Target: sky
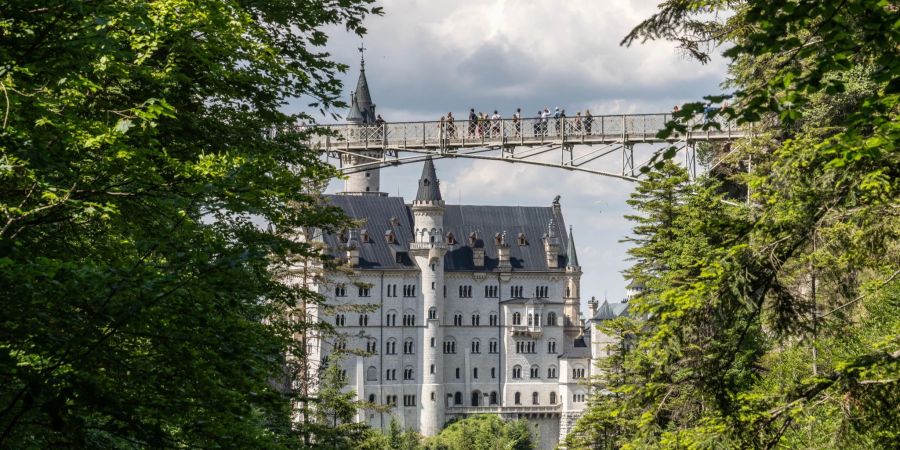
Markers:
point(425, 58)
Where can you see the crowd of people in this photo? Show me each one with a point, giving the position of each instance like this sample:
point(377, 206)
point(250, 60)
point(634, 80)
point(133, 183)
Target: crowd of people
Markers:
point(483, 125)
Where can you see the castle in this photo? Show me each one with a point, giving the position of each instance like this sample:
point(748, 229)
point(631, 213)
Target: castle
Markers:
point(473, 309)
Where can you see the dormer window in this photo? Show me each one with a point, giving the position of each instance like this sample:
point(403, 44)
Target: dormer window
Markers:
point(395, 222)
point(425, 182)
point(520, 239)
point(342, 236)
point(498, 239)
point(451, 240)
point(364, 236)
point(390, 237)
point(472, 238)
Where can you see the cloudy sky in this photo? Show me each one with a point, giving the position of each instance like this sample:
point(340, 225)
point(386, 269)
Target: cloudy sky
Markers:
point(425, 58)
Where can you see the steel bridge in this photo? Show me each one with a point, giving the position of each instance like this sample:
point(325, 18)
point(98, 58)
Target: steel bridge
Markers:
point(603, 145)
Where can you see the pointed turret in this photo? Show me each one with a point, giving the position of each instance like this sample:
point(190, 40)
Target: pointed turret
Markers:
point(362, 110)
point(571, 256)
point(363, 127)
point(429, 186)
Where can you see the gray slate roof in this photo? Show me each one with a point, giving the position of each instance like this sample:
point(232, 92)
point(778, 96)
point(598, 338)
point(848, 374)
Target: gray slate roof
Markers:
point(609, 311)
point(461, 220)
point(429, 186)
point(580, 347)
point(571, 256)
point(362, 110)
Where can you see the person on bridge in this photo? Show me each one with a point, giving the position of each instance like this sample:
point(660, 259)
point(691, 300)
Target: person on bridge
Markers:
point(556, 117)
point(545, 118)
point(379, 124)
point(517, 121)
point(451, 126)
point(473, 122)
point(588, 121)
point(495, 124)
point(578, 122)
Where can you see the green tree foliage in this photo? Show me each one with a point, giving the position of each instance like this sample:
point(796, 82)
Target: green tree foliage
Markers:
point(143, 307)
point(484, 432)
point(771, 320)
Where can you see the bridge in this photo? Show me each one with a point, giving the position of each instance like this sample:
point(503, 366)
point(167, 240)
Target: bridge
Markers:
point(602, 145)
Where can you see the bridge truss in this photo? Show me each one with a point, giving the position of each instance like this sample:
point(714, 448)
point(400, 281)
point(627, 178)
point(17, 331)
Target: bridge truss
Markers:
point(602, 145)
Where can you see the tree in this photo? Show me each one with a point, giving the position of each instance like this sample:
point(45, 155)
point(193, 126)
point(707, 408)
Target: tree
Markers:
point(484, 432)
point(774, 323)
point(143, 305)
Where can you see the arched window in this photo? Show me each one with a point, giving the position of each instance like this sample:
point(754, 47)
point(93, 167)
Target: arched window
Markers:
point(518, 398)
point(530, 319)
point(372, 374)
point(432, 313)
point(476, 398)
point(408, 348)
point(551, 346)
point(449, 345)
point(476, 346)
point(476, 319)
point(551, 372)
point(494, 397)
point(390, 347)
point(551, 319)
point(535, 372)
point(457, 398)
point(517, 372)
point(371, 398)
point(553, 398)
point(517, 318)
point(451, 240)
point(534, 398)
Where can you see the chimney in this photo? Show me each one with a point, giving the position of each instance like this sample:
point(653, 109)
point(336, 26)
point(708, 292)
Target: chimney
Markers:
point(551, 246)
point(592, 307)
point(353, 249)
point(477, 250)
point(502, 251)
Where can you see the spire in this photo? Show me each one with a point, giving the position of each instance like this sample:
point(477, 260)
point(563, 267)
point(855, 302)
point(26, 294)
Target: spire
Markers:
point(429, 189)
point(361, 96)
point(571, 256)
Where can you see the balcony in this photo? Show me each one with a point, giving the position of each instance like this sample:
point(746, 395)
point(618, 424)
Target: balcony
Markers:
point(511, 409)
point(526, 331)
point(427, 245)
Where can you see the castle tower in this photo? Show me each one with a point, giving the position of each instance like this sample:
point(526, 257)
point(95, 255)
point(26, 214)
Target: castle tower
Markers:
point(572, 300)
point(428, 251)
point(361, 117)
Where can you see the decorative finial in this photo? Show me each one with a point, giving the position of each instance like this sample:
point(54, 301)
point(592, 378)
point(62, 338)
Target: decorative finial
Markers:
point(362, 55)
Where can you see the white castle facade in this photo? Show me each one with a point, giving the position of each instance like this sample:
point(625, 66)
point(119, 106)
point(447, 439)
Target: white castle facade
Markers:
point(468, 309)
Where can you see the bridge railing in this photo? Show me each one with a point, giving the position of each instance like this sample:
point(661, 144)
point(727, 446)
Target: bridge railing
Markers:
point(466, 133)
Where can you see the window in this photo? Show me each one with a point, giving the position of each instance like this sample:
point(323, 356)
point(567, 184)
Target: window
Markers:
point(432, 342)
point(542, 291)
point(535, 372)
point(518, 398)
point(457, 398)
point(525, 346)
point(363, 320)
point(457, 373)
point(390, 400)
point(551, 346)
point(432, 369)
point(432, 395)
point(408, 347)
point(494, 397)
point(390, 347)
point(534, 398)
point(517, 372)
point(476, 319)
point(390, 237)
point(493, 372)
point(363, 291)
point(432, 313)
point(390, 374)
point(449, 346)
point(465, 292)
point(371, 375)
point(578, 398)
point(578, 372)
point(551, 372)
point(339, 320)
point(340, 345)
point(493, 346)
point(493, 320)
point(372, 346)
point(457, 320)
point(530, 319)
point(344, 374)
point(476, 346)
point(371, 398)
point(451, 240)
point(553, 398)
point(515, 291)
point(340, 291)
point(408, 373)
point(475, 373)
point(391, 319)
point(517, 318)
point(551, 319)
point(409, 400)
point(409, 290)
point(409, 320)
point(364, 235)
point(490, 291)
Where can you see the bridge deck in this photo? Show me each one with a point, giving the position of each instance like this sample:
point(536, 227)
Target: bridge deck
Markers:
point(529, 132)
